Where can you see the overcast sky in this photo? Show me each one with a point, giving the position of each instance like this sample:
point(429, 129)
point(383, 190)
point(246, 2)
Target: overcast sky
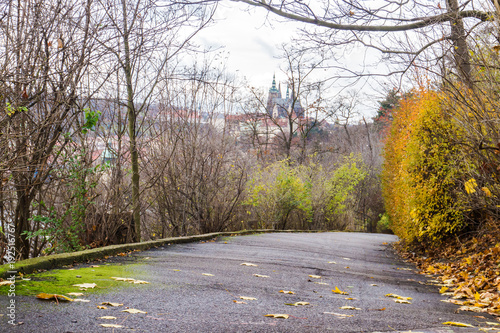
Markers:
point(251, 43)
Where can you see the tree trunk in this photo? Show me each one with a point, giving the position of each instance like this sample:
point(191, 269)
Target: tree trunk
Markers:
point(458, 36)
point(134, 156)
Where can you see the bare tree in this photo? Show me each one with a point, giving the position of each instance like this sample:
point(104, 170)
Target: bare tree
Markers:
point(45, 50)
point(418, 32)
point(143, 37)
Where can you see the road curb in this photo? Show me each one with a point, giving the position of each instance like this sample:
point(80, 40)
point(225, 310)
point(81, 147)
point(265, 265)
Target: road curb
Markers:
point(57, 260)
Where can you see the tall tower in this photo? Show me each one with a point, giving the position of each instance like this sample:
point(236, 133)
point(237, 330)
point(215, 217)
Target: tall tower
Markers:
point(274, 95)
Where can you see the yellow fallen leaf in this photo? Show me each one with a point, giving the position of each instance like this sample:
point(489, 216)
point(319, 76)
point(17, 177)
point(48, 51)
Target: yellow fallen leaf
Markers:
point(383, 309)
point(339, 315)
point(338, 291)
point(207, 274)
point(477, 296)
point(122, 279)
point(443, 289)
point(286, 292)
point(133, 311)
point(248, 298)
point(140, 282)
point(54, 296)
point(107, 317)
point(111, 325)
point(404, 298)
point(315, 276)
point(111, 304)
point(85, 285)
point(402, 301)
point(453, 323)
point(176, 270)
point(347, 307)
point(374, 285)
point(472, 309)
point(298, 303)
point(75, 294)
point(261, 276)
point(277, 315)
point(239, 302)
point(101, 307)
point(248, 264)
point(6, 282)
point(350, 298)
point(332, 262)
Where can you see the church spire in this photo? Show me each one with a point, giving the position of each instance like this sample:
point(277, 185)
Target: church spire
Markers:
point(287, 92)
point(273, 87)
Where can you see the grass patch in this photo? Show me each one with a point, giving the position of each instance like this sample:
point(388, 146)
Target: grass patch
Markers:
point(61, 281)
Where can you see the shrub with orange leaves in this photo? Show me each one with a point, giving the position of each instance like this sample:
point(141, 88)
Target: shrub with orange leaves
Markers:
point(422, 170)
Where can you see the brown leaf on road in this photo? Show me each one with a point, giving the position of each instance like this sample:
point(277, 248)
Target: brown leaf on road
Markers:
point(277, 315)
point(111, 304)
point(54, 296)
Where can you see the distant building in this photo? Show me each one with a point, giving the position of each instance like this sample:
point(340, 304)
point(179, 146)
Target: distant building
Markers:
point(279, 107)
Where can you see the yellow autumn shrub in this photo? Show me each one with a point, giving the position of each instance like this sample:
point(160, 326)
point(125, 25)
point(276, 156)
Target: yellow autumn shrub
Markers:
point(422, 171)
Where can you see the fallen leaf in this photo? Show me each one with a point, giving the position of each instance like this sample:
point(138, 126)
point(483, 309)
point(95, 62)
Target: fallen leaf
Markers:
point(133, 311)
point(350, 298)
point(248, 298)
point(286, 292)
point(81, 300)
point(374, 285)
point(85, 285)
point(75, 294)
point(101, 307)
point(338, 291)
point(248, 264)
point(54, 296)
point(332, 262)
point(207, 274)
point(315, 276)
point(443, 289)
point(95, 266)
point(176, 270)
point(348, 307)
point(298, 303)
point(6, 282)
point(454, 323)
point(239, 302)
point(111, 304)
point(340, 315)
point(346, 259)
point(107, 317)
point(122, 279)
point(402, 301)
point(277, 315)
point(383, 309)
point(140, 282)
point(322, 283)
point(261, 276)
point(111, 325)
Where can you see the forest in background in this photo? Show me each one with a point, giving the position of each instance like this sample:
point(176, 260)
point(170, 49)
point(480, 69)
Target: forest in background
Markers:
point(108, 136)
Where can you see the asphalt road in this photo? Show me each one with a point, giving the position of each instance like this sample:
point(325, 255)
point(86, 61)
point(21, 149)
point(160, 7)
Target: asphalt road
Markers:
point(193, 288)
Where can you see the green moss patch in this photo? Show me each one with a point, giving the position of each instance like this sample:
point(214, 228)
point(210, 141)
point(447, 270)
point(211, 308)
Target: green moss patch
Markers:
point(61, 281)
